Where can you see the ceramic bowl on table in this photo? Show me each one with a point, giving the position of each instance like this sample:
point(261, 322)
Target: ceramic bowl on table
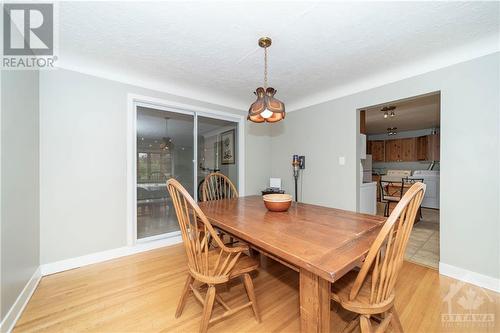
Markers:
point(277, 202)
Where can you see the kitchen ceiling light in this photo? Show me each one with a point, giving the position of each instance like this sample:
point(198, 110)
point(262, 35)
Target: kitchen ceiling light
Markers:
point(391, 131)
point(388, 111)
point(266, 108)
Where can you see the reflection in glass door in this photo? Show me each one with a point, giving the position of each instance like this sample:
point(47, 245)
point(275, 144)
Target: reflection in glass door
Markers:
point(165, 149)
point(217, 149)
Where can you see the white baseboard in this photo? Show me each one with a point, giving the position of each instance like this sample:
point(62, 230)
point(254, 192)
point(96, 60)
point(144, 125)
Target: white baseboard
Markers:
point(17, 308)
point(474, 278)
point(93, 258)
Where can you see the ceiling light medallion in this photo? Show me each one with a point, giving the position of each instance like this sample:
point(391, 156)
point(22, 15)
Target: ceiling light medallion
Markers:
point(266, 107)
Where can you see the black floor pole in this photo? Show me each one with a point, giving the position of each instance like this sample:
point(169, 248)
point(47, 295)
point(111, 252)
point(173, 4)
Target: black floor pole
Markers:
point(296, 197)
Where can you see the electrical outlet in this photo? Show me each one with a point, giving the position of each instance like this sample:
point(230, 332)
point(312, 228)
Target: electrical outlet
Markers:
point(341, 160)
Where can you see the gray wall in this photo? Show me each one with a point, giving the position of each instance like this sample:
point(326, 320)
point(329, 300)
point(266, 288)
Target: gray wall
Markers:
point(83, 172)
point(470, 150)
point(258, 157)
point(19, 183)
point(83, 164)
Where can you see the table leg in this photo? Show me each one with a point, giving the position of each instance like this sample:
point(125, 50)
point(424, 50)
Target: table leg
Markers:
point(314, 303)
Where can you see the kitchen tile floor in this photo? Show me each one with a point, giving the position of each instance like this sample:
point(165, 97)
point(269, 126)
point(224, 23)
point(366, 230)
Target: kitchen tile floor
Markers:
point(423, 246)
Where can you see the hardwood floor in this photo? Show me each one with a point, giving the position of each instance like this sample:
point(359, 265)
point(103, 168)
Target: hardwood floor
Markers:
point(139, 293)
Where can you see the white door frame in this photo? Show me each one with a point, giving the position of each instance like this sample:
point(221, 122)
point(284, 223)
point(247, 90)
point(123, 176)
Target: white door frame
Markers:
point(134, 100)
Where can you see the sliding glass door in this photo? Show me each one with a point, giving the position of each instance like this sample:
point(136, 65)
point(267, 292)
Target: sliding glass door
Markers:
point(164, 150)
point(169, 145)
point(217, 149)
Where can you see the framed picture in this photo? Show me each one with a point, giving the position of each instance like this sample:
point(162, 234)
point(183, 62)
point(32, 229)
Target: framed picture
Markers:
point(227, 147)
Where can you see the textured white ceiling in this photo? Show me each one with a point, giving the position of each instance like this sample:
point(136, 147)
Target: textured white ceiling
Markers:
point(411, 114)
point(208, 50)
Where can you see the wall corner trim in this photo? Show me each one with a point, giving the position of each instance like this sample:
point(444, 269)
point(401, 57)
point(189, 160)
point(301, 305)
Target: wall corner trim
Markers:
point(474, 278)
point(8, 323)
point(94, 258)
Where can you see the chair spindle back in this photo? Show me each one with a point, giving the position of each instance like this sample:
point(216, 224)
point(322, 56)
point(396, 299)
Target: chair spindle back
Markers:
point(406, 181)
point(218, 186)
point(385, 257)
point(196, 232)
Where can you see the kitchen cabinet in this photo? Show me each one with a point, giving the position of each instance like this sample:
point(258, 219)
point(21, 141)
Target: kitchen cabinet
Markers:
point(393, 150)
point(433, 147)
point(422, 148)
point(400, 150)
point(408, 149)
point(428, 148)
point(377, 150)
point(362, 122)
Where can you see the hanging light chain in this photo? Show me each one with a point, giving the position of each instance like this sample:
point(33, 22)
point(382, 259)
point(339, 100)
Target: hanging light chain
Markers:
point(265, 68)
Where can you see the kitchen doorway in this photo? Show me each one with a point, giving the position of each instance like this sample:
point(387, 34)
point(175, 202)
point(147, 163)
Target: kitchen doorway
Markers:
point(403, 146)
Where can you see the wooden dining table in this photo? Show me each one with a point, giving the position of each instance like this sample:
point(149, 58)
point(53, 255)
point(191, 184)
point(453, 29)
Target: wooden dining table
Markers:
point(321, 243)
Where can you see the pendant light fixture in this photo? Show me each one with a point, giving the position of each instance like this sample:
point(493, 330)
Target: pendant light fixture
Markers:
point(166, 142)
point(392, 131)
point(388, 111)
point(266, 108)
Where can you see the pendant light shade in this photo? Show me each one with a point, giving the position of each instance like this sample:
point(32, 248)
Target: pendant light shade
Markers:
point(266, 107)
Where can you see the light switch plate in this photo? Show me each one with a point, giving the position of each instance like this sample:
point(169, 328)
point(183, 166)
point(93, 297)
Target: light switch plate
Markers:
point(341, 160)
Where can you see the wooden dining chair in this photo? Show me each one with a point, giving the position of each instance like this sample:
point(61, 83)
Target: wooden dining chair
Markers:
point(406, 182)
point(370, 292)
point(217, 186)
point(390, 192)
point(209, 266)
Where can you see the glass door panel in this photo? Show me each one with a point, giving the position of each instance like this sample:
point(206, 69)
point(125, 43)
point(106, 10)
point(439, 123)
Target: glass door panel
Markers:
point(164, 150)
point(217, 149)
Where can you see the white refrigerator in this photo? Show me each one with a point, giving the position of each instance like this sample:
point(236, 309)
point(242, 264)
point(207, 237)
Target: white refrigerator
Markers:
point(368, 188)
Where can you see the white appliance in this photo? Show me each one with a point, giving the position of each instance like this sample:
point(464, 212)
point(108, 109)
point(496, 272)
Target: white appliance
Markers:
point(368, 198)
point(431, 179)
point(366, 169)
point(396, 175)
point(362, 146)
